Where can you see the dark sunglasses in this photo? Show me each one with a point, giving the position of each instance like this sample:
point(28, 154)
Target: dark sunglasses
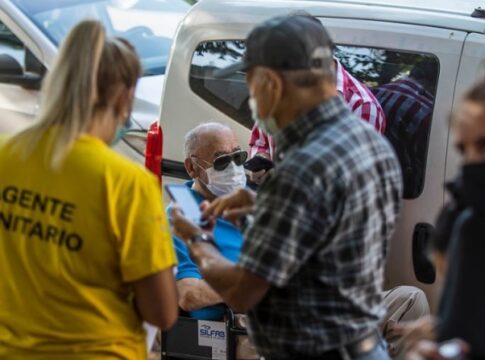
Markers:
point(239, 157)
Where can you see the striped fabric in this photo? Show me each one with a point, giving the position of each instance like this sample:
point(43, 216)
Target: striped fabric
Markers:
point(410, 107)
point(406, 99)
point(358, 97)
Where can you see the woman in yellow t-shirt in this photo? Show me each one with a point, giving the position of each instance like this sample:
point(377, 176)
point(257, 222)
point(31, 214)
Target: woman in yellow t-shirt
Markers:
point(85, 249)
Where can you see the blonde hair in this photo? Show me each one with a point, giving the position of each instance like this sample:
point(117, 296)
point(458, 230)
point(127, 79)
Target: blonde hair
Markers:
point(89, 73)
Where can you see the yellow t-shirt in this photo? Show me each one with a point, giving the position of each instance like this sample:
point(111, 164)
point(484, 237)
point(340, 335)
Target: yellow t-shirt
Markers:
point(71, 241)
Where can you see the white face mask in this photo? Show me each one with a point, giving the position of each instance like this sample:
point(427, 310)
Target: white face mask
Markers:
point(268, 125)
point(226, 181)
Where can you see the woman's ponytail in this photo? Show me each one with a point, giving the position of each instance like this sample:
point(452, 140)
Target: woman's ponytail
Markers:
point(75, 87)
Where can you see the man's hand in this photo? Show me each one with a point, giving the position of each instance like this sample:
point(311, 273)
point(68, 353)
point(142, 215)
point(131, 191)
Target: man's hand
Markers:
point(232, 206)
point(239, 289)
point(429, 350)
point(183, 227)
point(412, 331)
point(257, 177)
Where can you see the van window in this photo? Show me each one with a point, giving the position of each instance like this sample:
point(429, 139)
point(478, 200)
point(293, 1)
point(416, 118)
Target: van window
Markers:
point(227, 95)
point(403, 82)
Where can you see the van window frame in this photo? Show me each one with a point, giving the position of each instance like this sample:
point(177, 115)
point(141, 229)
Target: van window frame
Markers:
point(435, 57)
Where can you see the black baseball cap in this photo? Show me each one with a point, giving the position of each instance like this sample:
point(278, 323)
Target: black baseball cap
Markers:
point(293, 42)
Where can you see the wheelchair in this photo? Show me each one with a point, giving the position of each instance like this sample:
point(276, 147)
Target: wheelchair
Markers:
point(182, 341)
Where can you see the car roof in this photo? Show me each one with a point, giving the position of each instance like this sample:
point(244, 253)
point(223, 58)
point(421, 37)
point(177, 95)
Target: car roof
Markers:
point(446, 14)
point(463, 7)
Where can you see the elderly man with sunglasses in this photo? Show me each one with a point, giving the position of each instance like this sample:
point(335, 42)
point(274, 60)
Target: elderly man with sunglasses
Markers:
point(214, 160)
point(311, 270)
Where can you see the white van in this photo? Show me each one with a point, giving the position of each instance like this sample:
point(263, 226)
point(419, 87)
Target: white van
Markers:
point(379, 42)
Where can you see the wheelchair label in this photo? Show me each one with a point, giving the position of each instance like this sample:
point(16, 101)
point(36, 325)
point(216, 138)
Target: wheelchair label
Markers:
point(213, 334)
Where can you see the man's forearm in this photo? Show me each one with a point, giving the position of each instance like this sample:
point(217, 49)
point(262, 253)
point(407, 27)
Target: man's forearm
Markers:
point(219, 272)
point(238, 288)
point(195, 294)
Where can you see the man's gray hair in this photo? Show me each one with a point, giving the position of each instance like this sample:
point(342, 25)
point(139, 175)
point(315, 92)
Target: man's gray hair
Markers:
point(192, 138)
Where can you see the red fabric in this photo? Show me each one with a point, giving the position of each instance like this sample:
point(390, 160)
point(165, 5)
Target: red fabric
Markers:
point(358, 97)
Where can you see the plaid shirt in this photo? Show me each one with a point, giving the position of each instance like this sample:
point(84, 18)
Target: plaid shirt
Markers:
point(320, 234)
point(358, 97)
point(410, 107)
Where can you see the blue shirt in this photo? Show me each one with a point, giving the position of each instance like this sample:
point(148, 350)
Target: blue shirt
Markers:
point(229, 242)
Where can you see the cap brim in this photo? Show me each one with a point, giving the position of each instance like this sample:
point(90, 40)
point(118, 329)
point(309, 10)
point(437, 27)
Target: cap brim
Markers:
point(230, 70)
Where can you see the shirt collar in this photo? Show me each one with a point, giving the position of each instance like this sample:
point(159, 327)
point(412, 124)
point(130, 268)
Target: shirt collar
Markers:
point(197, 196)
point(299, 129)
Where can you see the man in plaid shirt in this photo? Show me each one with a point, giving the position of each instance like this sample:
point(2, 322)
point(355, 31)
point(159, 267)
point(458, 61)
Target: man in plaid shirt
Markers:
point(358, 98)
point(311, 270)
point(409, 102)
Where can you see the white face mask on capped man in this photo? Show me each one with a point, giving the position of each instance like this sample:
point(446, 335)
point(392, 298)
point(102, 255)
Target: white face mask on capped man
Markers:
point(226, 181)
point(268, 125)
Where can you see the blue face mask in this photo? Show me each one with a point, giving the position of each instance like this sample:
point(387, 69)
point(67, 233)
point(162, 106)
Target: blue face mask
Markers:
point(121, 131)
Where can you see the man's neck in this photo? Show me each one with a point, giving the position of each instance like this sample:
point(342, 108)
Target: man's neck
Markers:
point(202, 190)
point(301, 106)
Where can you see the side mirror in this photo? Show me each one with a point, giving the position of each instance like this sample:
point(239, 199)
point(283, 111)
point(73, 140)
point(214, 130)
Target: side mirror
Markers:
point(11, 72)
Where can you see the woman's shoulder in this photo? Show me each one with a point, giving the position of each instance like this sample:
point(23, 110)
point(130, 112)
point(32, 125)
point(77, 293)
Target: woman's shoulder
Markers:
point(126, 167)
point(110, 163)
point(3, 140)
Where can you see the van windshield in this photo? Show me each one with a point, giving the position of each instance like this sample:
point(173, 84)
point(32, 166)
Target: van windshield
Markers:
point(149, 25)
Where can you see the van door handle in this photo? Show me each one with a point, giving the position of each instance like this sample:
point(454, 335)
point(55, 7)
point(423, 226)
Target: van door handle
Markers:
point(423, 267)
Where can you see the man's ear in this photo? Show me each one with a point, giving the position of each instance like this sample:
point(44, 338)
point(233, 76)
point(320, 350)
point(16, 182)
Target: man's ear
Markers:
point(273, 91)
point(190, 168)
point(275, 83)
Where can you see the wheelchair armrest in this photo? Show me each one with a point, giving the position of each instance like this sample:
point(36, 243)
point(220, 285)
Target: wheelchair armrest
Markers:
point(231, 323)
point(230, 316)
